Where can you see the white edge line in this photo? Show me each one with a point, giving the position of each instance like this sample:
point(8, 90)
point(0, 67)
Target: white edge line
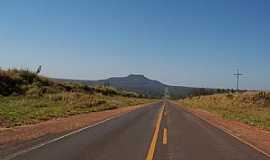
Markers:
point(227, 131)
point(14, 155)
point(230, 132)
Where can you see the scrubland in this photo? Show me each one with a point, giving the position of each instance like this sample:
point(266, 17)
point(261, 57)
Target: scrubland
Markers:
point(26, 98)
point(252, 108)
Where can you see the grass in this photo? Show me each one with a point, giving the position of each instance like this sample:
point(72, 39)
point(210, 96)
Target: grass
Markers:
point(26, 98)
point(16, 111)
point(252, 108)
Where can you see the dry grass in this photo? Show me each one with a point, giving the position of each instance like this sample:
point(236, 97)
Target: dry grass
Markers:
point(252, 108)
point(21, 110)
point(26, 98)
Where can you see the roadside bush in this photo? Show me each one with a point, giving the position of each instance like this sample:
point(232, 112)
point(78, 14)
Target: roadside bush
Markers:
point(130, 94)
point(262, 98)
point(229, 95)
point(8, 86)
point(11, 81)
point(35, 91)
point(27, 77)
point(108, 91)
point(81, 88)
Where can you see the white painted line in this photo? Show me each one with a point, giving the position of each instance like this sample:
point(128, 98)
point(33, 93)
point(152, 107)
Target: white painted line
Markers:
point(227, 131)
point(9, 157)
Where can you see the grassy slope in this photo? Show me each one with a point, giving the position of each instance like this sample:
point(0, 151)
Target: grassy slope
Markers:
point(16, 111)
point(252, 108)
point(26, 98)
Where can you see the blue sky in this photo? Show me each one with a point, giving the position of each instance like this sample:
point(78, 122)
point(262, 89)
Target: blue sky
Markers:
point(179, 42)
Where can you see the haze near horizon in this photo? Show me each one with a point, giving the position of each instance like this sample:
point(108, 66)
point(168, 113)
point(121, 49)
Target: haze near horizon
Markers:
point(187, 43)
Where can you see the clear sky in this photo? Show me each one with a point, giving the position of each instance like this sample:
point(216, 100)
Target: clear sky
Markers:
point(179, 42)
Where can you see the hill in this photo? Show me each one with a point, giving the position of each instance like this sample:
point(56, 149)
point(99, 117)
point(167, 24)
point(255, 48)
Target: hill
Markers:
point(145, 86)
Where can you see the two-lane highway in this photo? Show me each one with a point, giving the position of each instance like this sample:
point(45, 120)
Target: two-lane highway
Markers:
point(159, 131)
point(190, 138)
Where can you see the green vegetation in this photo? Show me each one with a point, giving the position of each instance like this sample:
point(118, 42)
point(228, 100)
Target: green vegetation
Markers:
point(26, 98)
point(252, 108)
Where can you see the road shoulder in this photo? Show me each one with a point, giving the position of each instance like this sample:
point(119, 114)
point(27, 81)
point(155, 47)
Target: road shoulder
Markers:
point(15, 139)
point(257, 138)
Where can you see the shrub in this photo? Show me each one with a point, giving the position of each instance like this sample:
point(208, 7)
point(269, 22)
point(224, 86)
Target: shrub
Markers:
point(11, 81)
point(108, 91)
point(81, 88)
point(35, 91)
point(229, 95)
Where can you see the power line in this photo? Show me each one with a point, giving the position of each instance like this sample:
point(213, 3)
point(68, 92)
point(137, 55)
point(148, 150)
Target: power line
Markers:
point(237, 74)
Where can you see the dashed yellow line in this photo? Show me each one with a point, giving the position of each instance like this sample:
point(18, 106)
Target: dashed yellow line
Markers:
point(151, 150)
point(165, 136)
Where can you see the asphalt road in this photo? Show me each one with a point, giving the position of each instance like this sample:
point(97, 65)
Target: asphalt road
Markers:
point(158, 131)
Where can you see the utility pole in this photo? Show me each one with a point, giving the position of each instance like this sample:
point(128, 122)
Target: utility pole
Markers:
point(237, 74)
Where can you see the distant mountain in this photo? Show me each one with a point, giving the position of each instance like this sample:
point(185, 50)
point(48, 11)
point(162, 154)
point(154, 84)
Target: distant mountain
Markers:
point(145, 86)
point(136, 83)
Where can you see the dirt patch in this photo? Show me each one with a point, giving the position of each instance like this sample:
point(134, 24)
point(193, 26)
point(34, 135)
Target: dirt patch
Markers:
point(18, 136)
point(253, 135)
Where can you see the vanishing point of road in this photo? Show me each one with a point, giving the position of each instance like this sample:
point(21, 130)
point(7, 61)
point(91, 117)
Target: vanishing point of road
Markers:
point(161, 131)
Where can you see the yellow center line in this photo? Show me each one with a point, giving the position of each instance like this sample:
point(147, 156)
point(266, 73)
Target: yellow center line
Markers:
point(165, 136)
point(151, 150)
